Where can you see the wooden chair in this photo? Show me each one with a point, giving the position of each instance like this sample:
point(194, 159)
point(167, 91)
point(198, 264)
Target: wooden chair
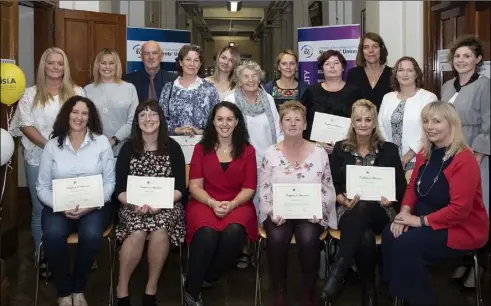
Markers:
point(259, 248)
point(73, 239)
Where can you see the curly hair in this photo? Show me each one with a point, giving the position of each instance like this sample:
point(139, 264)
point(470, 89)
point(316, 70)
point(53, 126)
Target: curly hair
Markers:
point(473, 43)
point(61, 127)
point(240, 136)
point(295, 106)
point(251, 65)
point(184, 52)
point(419, 73)
point(136, 132)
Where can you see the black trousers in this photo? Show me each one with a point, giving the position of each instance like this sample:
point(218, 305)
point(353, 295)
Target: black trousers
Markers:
point(359, 226)
point(211, 252)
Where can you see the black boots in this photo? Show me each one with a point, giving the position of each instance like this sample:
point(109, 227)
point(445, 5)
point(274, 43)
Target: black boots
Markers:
point(368, 293)
point(334, 280)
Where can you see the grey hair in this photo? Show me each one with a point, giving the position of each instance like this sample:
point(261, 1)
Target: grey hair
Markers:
point(252, 65)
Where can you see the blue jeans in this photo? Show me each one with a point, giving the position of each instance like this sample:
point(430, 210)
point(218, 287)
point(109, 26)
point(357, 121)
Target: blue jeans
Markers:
point(37, 207)
point(56, 228)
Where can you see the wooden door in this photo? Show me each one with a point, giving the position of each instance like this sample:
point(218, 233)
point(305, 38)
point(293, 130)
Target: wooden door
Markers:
point(9, 50)
point(444, 22)
point(83, 34)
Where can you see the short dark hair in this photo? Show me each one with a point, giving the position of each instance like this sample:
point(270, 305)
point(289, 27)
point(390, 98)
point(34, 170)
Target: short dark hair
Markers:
point(326, 55)
point(61, 127)
point(473, 43)
point(384, 53)
point(184, 51)
point(136, 132)
point(419, 73)
point(240, 136)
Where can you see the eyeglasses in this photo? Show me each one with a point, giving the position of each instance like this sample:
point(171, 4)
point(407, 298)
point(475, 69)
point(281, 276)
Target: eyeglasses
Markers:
point(149, 115)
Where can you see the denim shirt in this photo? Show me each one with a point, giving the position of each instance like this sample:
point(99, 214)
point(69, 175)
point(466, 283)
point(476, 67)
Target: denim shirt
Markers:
point(95, 156)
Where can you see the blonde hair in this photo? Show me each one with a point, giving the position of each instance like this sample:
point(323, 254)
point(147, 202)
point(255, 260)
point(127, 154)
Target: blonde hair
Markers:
point(235, 62)
point(285, 52)
point(97, 62)
point(446, 111)
point(363, 105)
point(252, 65)
point(294, 106)
point(67, 87)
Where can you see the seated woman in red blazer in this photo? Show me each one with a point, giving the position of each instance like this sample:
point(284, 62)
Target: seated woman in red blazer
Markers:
point(222, 182)
point(442, 213)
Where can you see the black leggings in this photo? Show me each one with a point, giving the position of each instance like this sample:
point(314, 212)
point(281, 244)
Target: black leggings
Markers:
point(359, 226)
point(307, 239)
point(211, 252)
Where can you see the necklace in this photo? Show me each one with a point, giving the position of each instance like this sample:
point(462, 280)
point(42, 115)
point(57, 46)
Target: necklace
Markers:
point(104, 109)
point(434, 179)
point(225, 151)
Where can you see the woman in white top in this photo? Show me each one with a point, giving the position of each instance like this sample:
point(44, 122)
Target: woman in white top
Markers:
point(400, 113)
point(35, 116)
point(224, 75)
point(261, 116)
point(115, 99)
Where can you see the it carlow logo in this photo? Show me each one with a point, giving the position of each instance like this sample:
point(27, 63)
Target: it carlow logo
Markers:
point(307, 50)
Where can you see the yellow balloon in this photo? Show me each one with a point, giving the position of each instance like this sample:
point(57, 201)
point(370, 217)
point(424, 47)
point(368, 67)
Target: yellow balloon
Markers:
point(13, 83)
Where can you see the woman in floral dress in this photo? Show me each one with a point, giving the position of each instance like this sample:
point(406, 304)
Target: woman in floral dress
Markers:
point(296, 161)
point(150, 152)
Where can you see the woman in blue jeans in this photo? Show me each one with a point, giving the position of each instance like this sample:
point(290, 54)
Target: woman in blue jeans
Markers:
point(77, 148)
point(33, 120)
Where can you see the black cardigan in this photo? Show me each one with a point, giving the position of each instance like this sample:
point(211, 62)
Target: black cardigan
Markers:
point(388, 156)
point(178, 167)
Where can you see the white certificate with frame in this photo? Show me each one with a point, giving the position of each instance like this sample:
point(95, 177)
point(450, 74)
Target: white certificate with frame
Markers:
point(329, 128)
point(157, 192)
point(84, 192)
point(371, 183)
point(187, 144)
point(297, 201)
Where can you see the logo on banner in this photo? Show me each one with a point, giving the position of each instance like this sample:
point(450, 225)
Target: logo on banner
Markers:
point(307, 50)
point(138, 50)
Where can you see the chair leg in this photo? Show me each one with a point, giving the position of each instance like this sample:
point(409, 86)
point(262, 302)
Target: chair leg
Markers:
point(257, 295)
point(181, 275)
point(477, 276)
point(38, 263)
point(111, 271)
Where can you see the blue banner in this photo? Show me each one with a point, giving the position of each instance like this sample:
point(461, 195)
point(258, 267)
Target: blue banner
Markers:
point(170, 41)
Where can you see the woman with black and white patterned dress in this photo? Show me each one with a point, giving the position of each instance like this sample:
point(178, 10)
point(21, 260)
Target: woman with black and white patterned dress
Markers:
point(150, 152)
point(399, 116)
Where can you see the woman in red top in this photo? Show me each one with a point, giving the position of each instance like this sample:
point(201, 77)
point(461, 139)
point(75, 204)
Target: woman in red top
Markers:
point(222, 182)
point(442, 208)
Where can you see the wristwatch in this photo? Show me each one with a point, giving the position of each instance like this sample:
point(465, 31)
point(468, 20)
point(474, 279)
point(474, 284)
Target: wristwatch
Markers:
point(422, 220)
point(116, 140)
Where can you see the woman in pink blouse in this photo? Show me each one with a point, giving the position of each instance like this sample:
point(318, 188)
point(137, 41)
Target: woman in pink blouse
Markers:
point(295, 161)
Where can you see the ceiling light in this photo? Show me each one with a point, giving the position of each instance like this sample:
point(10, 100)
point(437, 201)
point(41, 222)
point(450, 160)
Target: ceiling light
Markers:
point(231, 44)
point(234, 6)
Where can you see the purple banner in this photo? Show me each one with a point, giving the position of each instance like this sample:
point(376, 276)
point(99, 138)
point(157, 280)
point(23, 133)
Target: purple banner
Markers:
point(314, 41)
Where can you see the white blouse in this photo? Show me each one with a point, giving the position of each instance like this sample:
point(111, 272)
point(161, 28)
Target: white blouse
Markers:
point(259, 130)
point(411, 126)
point(39, 117)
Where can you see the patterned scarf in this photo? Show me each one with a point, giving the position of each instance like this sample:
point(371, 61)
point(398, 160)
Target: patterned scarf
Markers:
point(253, 110)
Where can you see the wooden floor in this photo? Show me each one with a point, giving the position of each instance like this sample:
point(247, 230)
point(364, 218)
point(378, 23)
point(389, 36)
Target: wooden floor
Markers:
point(235, 289)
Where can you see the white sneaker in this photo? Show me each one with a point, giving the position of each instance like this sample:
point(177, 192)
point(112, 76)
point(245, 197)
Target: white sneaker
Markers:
point(65, 301)
point(79, 299)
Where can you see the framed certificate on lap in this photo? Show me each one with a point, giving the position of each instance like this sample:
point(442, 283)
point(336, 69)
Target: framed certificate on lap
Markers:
point(157, 192)
point(84, 192)
point(297, 201)
point(371, 183)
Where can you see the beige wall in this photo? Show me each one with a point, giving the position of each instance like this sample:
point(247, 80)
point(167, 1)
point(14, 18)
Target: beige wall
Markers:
point(244, 44)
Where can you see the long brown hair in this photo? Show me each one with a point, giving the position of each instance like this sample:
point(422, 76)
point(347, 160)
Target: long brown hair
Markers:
point(136, 132)
point(360, 58)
